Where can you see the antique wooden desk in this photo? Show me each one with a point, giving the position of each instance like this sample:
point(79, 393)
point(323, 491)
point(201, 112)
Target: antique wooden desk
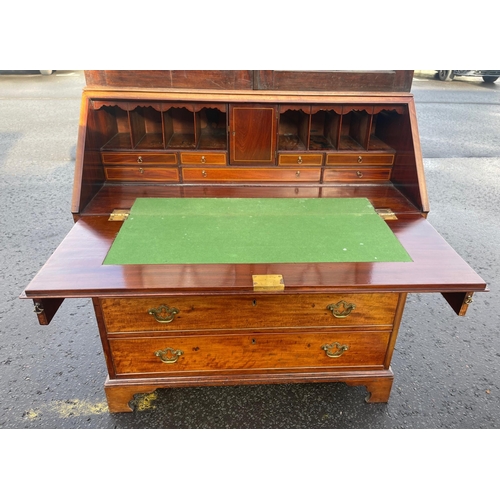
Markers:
point(248, 134)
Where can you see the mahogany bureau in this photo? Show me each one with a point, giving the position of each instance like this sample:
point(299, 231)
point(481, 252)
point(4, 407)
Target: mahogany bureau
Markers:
point(248, 134)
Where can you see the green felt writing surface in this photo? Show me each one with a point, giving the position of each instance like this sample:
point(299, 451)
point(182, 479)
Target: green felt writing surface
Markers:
point(253, 231)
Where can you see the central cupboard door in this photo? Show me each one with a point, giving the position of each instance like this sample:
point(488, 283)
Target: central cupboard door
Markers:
point(252, 134)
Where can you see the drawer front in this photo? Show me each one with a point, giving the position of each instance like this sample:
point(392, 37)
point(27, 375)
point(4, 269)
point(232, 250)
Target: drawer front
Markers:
point(356, 174)
point(294, 159)
point(144, 174)
point(239, 174)
point(248, 312)
point(153, 355)
point(203, 158)
point(139, 158)
point(359, 159)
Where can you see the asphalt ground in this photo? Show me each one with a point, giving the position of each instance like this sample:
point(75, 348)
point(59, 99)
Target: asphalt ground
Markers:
point(446, 367)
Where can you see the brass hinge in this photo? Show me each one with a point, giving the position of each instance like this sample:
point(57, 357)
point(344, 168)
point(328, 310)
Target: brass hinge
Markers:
point(119, 214)
point(386, 213)
point(268, 283)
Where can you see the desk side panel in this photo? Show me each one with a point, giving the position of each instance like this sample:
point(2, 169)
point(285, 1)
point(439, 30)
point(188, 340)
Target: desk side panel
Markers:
point(89, 175)
point(408, 170)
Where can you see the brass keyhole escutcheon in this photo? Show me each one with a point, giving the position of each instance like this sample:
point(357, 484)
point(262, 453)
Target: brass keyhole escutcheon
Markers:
point(360, 159)
point(297, 174)
point(204, 173)
point(139, 159)
point(359, 174)
point(141, 170)
point(299, 160)
point(203, 159)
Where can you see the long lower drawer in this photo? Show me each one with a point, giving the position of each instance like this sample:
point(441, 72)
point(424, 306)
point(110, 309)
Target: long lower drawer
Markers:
point(248, 311)
point(154, 355)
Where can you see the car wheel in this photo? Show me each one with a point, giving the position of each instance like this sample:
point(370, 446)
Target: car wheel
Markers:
point(445, 74)
point(490, 79)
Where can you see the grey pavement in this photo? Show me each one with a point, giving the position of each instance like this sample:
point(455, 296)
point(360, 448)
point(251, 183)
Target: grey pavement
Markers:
point(446, 367)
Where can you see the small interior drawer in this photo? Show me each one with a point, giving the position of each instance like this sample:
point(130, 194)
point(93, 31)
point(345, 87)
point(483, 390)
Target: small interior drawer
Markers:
point(139, 158)
point(203, 158)
point(300, 159)
point(142, 174)
point(359, 159)
point(356, 174)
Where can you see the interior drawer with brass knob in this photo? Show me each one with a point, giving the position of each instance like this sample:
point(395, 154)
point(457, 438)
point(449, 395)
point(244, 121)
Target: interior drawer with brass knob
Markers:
point(142, 174)
point(248, 312)
point(139, 158)
point(242, 174)
point(203, 158)
point(206, 353)
point(356, 174)
point(300, 159)
point(359, 159)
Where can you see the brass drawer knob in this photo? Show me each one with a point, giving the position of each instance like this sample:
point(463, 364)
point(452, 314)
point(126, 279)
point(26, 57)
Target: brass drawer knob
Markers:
point(335, 349)
point(359, 174)
point(297, 174)
point(164, 314)
point(203, 159)
point(139, 159)
point(299, 160)
point(169, 355)
point(204, 173)
point(341, 309)
point(360, 159)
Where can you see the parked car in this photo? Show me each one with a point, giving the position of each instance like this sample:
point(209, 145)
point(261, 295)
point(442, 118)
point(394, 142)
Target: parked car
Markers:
point(488, 75)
